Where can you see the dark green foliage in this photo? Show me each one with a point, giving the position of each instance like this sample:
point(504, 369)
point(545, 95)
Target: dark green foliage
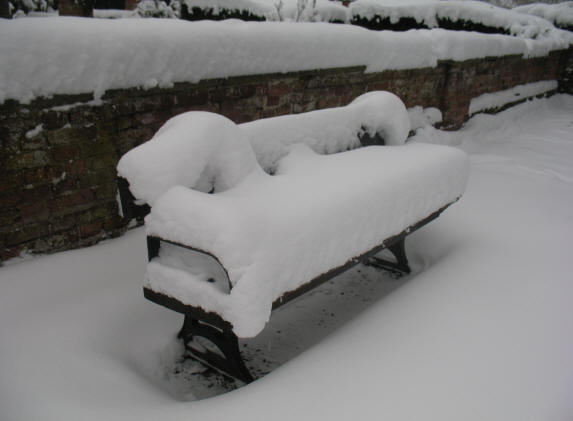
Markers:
point(383, 23)
point(468, 25)
point(197, 13)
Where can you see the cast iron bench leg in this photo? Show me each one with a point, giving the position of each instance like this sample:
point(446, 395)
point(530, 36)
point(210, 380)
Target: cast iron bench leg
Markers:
point(229, 362)
point(398, 249)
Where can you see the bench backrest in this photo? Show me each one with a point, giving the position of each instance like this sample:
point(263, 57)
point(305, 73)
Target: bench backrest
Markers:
point(373, 118)
point(210, 153)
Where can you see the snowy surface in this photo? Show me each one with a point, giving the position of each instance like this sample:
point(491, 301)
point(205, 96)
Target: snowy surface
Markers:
point(501, 98)
point(274, 233)
point(428, 13)
point(58, 55)
point(330, 130)
point(479, 330)
point(560, 14)
point(198, 150)
point(421, 117)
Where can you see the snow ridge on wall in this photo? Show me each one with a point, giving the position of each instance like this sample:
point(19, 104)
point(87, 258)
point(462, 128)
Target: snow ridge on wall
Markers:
point(497, 100)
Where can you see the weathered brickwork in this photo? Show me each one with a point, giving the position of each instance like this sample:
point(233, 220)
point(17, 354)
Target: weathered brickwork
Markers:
point(58, 155)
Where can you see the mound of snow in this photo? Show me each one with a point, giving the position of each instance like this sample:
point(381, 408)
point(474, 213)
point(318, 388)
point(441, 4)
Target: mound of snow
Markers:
point(422, 117)
point(560, 14)
point(330, 130)
point(500, 99)
point(274, 233)
point(200, 150)
point(429, 13)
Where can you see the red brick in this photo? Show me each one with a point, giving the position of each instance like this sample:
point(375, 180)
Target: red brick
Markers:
point(280, 88)
point(89, 230)
point(65, 152)
point(34, 212)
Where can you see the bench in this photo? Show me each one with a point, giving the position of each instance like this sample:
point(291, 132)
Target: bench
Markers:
point(241, 219)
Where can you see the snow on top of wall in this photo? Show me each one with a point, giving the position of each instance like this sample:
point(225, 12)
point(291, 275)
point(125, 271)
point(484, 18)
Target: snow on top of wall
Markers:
point(560, 14)
point(58, 55)
point(500, 99)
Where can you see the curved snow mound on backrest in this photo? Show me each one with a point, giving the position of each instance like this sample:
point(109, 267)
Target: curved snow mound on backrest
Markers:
point(200, 150)
point(330, 130)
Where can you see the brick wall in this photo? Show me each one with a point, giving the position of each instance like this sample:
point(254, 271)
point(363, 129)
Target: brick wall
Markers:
point(58, 156)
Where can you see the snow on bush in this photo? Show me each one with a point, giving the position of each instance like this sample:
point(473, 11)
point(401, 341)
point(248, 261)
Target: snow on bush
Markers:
point(158, 9)
point(312, 11)
point(23, 7)
point(450, 14)
point(396, 15)
point(560, 14)
point(225, 9)
point(43, 57)
point(276, 10)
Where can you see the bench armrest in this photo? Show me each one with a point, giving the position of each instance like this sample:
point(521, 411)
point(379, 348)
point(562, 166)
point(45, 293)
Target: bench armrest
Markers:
point(128, 205)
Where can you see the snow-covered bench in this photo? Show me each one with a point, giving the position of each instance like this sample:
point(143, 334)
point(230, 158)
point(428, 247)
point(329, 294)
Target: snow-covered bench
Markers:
point(228, 241)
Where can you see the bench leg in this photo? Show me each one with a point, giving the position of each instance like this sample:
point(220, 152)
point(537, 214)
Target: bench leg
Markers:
point(228, 360)
point(398, 249)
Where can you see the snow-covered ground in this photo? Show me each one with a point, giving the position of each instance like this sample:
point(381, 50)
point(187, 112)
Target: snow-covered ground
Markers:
point(480, 330)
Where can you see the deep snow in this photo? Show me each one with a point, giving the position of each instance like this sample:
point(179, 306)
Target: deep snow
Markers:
point(480, 330)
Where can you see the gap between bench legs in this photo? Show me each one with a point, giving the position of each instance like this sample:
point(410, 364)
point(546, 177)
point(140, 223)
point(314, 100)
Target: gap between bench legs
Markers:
point(230, 361)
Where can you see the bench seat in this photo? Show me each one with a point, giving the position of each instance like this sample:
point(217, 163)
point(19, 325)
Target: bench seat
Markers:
point(272, 234)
